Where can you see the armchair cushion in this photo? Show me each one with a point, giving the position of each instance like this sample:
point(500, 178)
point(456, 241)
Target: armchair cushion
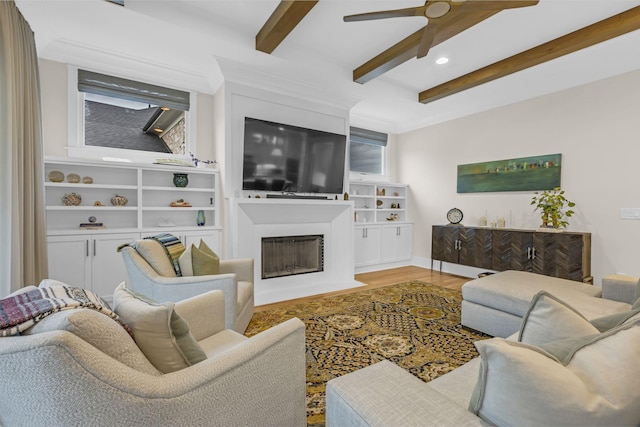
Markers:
point(153, 252)
point(100, 331)
point(161, 334)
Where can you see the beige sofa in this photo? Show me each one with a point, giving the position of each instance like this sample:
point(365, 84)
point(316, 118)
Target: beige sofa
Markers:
point(385, 394)
point(80, 367)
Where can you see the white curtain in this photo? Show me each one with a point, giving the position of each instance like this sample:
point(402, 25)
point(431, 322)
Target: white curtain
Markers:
point(23, 248)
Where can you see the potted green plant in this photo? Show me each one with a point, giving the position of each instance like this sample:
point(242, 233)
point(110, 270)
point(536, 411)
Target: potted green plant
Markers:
point(553, 206)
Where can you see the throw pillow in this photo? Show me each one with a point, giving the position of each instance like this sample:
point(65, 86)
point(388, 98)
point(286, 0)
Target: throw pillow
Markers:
point(636, 297)
point(153, 252)
point(101, 331)
point(205, 261)
point(549, 319)
point(185, 262)
point(605, 323)
point(521, 384)
point(160, 333)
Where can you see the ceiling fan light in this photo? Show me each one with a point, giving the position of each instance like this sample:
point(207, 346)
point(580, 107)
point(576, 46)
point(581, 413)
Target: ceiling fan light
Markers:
point(437, 9)
point(442, 60)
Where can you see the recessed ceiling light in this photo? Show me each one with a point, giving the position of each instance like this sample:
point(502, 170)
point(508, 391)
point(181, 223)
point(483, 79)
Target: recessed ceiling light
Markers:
point(442, 60)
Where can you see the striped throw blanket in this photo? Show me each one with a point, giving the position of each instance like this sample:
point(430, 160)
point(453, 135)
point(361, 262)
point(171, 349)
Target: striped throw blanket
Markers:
point(20, 312)
point(173, 247)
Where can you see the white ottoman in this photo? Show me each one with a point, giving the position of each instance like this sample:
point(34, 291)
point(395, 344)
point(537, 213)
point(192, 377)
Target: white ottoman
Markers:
point(495, 304)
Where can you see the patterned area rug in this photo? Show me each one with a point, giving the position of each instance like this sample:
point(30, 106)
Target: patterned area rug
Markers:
point(415, 325)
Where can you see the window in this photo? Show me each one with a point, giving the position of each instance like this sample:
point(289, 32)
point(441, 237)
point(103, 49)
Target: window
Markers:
point(367, 150)
point(116, 114)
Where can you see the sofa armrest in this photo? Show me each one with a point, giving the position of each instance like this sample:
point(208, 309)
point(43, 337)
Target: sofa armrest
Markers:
point(242, 268)
point(203, 313)
point(260, 382)
point(619, 287)
point(385, 394)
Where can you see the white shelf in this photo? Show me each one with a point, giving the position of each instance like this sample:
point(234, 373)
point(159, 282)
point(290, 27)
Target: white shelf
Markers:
point(91, 208)
point(371, 194)
point(188, 208)
point(148, 188)
point(89, 186)
point(178, 189)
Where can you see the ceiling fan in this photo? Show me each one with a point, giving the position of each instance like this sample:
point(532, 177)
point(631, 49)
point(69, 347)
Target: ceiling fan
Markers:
point(440, 13)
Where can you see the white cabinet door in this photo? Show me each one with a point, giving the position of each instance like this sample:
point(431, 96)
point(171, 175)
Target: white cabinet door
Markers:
point(107, 265)
point(89, 261)
point(366, 245)
point(211, 238)
point(404, 242)
point(388, 243)
point(70, 260)
point(396, 242)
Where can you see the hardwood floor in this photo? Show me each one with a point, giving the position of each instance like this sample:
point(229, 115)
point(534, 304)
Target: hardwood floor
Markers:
point(378, 279)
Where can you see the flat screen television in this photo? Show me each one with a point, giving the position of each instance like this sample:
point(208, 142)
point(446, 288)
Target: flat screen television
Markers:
point(291, 159)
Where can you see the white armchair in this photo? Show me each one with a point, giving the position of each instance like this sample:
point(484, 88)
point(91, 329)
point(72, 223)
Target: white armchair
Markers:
point(60, 376)
point(235, 280)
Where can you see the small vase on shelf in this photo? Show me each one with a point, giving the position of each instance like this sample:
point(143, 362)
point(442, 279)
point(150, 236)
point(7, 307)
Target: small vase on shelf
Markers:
point(200, 221)
point(180, 179)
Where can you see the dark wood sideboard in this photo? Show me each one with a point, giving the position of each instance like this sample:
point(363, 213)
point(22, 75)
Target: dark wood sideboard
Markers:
point(565, 254)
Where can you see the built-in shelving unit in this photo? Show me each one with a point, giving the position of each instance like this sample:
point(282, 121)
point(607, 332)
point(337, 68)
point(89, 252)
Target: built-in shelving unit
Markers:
point(88, 257)
point(149, 190)
point(383, 235)
point(378, 202)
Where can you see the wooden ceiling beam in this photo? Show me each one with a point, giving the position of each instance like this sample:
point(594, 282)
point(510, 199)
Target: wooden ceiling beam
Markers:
point(283, 19)
point(408, 48)
point(606, 29)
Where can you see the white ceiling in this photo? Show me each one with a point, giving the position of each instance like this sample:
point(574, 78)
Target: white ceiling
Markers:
point(196, 44)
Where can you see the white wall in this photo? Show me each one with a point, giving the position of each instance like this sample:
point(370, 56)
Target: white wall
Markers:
point(595, 127)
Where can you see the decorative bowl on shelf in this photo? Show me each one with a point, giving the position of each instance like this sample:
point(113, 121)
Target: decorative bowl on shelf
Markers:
point(119, 200)
point(56, 176)
point(87, 180)
point(72, 199)
point(73, 178)
point(180, 179)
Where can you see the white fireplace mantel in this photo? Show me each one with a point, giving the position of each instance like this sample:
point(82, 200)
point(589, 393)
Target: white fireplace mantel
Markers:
point(254, 219)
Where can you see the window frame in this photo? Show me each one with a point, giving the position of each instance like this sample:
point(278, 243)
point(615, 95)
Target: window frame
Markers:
point(364, 176)
point(76, 144)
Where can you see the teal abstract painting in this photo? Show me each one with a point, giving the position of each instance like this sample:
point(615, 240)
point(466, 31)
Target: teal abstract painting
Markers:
point(534, 173)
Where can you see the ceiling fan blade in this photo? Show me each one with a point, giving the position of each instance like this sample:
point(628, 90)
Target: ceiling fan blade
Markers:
point(426, 40)
point(384, 14)
point(480, 5)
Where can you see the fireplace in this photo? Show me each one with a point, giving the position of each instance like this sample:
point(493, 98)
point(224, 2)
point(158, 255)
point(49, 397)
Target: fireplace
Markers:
point(291, 255)
point(256, 219)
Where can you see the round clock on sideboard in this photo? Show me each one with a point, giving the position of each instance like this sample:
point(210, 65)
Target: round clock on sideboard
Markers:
point(454, 216)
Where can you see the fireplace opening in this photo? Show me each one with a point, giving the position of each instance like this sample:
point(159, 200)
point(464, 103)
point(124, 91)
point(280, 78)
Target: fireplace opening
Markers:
point(289, 255)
